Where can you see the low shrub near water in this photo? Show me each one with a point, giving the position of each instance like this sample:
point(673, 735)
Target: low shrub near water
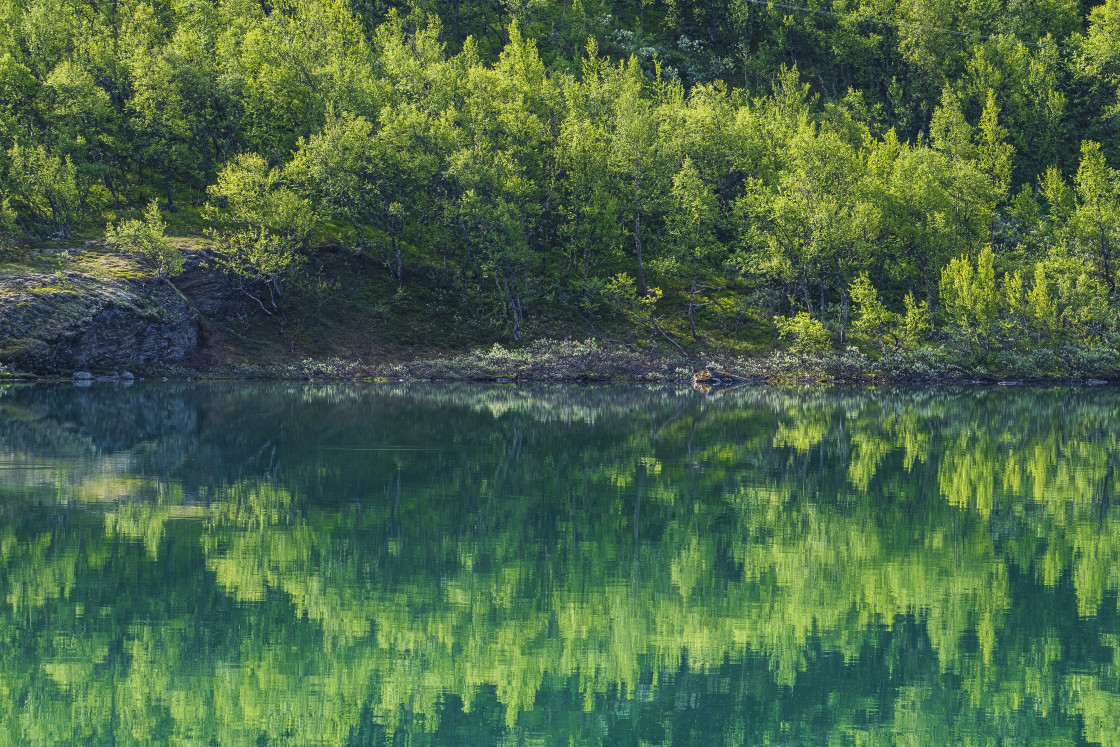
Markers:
point(804, 334)
point(848, 365)
point(545, 360)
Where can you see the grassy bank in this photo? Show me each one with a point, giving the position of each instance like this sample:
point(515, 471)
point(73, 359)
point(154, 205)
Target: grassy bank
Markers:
point(343, 317)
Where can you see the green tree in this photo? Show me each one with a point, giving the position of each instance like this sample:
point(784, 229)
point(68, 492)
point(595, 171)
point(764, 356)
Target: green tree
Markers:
point(146, 237)
point(970, 301)
point(994, 155)
point(804, 334)
point(1028, 86)
point(164, 121)
point(261, 226)
point(1099, 64)
point(690, 227)
point(934, 208)
point(1095, 223)
point(83, 127)
point(45, 187)
point(591, 219)
point(634, 159)
point(338, 168)
point(871, 322)
point(819, 221)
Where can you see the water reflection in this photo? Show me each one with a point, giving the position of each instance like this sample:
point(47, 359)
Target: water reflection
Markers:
point(467, 564)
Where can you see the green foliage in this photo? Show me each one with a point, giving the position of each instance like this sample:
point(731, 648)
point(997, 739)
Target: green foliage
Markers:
point(970, 302)
point(994, 156)
point(336, 166)
point(1080, 297)
point(521, 155)
point(1065, 303)
point(820, 220)
point(915, 325)
point(1100, 63)
point(146, 237)
point(8, 225)
point(269, 225)
point(690, 224)
point(804, 334)
point(874, 324)
point(45, 188)
point(1094, 227)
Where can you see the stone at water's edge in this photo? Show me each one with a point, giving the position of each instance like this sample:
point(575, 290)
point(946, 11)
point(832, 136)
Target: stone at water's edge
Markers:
point(51, 323)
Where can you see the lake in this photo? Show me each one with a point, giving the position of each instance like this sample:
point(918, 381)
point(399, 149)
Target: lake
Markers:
point(464, 564)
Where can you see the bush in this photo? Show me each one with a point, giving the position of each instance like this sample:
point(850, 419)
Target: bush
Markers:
point(970, 302)
point(804, 334)
point(261, 229)
point(7, 227)
point(146, 238)
point(874, 324)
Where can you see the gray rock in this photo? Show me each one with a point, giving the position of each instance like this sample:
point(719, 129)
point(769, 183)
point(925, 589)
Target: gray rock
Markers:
point(82, 376)
point(106, 322)
point(127, 375)
point(212, 293)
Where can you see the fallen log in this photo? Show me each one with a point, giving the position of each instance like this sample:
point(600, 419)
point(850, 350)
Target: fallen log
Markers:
point(712, 378)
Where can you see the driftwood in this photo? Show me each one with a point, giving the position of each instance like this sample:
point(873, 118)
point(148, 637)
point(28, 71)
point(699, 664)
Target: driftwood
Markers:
point(711, 379)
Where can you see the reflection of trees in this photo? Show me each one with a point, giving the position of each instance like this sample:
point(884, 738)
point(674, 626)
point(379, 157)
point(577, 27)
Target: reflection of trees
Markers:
point(629, 547)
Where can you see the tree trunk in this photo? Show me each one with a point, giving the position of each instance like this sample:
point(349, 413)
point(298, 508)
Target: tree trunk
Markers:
point(691, 306)
point(171, 208)
point(518, 314)
point(116, 195)
point(643, 290)
point(659, 330)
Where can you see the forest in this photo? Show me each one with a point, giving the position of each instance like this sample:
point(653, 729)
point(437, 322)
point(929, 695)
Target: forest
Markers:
point(931, 178)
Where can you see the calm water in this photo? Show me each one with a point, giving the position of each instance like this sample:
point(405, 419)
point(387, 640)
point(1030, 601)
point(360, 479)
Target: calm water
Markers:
point(274, 564)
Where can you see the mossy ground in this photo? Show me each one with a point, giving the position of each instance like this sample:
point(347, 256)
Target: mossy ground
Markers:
point(49, 290)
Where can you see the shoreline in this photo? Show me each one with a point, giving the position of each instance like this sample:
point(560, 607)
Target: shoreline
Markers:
point(108, 313)
point(436, 371)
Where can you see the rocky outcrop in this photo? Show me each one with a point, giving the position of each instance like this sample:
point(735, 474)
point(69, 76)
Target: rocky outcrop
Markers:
point(213, 294)
point(97, 311)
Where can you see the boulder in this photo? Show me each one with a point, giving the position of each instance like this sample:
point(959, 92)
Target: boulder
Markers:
point(107, 313)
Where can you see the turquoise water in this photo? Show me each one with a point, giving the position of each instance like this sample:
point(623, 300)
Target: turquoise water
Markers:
point(285, 564)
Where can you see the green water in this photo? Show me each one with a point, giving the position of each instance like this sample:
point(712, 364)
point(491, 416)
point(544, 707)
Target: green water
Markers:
point(275, 564)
